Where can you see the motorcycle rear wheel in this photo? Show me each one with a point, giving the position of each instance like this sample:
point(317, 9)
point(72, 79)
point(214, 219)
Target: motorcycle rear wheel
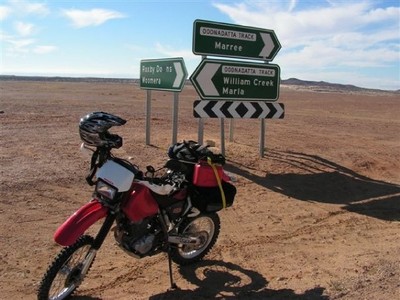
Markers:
point(64, 275)
point(204, 226)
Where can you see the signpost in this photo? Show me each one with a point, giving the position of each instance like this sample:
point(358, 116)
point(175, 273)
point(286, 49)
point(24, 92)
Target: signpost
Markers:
point(167, 74)
point(221, 39)
point(233, 80)
point(236, 81)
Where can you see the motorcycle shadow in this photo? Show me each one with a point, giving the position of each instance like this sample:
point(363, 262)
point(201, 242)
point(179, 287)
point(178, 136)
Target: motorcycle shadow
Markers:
point(225, 280)
point(84, 298)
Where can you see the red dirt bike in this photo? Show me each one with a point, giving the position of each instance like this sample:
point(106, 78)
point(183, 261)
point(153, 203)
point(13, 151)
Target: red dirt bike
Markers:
point(174, 213)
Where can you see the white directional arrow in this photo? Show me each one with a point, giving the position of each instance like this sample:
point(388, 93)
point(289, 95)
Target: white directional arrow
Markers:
point(266, 110)
point(251, 110)
point(232, 110)
point(217, 107)
point(204, 79)
point(179, 75)
point(268, 45)
point(279, 110)
point(200, 109)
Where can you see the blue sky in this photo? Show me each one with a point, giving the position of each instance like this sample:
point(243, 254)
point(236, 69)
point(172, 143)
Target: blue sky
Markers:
point(349, 42)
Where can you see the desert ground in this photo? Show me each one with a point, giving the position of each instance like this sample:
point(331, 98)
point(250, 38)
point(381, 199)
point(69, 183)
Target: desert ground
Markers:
point(318, 217)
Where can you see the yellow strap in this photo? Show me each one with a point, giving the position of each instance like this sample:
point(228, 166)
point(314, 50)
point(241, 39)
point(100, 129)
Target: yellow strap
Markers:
point(218, 181)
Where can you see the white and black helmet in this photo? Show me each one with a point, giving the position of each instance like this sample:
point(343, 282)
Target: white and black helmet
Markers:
point(188, 151)
point(93, 129)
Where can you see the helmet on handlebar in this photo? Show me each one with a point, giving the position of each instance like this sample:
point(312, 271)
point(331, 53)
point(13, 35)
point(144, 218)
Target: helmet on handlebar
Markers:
point(93, 129)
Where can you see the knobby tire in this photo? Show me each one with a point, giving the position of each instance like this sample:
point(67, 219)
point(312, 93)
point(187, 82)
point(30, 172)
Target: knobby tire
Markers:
point(180, 257)
point(55, 267)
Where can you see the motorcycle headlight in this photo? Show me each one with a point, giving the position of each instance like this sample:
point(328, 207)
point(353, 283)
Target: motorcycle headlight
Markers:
point(106, 190)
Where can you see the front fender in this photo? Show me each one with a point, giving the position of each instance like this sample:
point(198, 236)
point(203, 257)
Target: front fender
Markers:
point(79, 222)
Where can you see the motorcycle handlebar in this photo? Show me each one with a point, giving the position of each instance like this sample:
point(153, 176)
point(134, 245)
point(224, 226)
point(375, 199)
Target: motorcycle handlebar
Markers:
point(99, 157)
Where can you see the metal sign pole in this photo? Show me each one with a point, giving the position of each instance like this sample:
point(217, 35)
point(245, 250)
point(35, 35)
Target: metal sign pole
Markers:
point(200, 129)
point(262, 130)
point(200, 132)
point(262, 137)
point(222, 136)
point(175, 118)
point(148, 116)
point(231, 129)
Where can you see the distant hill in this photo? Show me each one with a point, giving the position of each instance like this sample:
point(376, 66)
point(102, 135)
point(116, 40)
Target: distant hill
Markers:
point(322, 86)
point(316, 86)
point(67, 79)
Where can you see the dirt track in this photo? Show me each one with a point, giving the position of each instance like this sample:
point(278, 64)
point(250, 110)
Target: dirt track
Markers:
point(317, 218)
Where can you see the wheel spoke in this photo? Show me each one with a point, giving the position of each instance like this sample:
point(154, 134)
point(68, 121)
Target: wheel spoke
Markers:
point(202, 228)
point(70, 274)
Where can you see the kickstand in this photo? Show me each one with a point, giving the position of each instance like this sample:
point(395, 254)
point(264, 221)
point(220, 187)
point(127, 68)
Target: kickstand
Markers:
point(171, 279)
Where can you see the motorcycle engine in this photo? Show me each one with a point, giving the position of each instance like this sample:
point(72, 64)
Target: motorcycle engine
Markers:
point(138, 239)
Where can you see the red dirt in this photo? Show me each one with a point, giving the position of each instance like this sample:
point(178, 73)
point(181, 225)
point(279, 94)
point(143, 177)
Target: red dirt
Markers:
point(317, 217)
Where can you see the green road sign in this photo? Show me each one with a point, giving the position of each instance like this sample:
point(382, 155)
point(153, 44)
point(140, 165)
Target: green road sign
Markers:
point(233, 80)
point(221, 39)
point(167, 74)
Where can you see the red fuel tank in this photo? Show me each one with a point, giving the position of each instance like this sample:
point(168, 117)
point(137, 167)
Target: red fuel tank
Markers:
point(140, 204)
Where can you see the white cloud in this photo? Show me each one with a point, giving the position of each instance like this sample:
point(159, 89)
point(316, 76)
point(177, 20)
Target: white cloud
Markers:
point(292, 5)
point(168, 51)
point(380, 14)
point(34, 8)
point(23, 7)
point(320, 38)
point(20, 43)
point(191, 61)
point(19, 46)
point(24, 29)
point(44, 49)
point(4, 36)
point(16, 47)
point(93, 17)
point(4, 12)
point(298, 27)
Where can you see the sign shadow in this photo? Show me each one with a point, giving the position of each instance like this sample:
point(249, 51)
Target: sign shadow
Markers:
point(321, 180)
point(218, 279)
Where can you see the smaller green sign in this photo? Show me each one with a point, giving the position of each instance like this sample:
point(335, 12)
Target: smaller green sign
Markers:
point(167, 74)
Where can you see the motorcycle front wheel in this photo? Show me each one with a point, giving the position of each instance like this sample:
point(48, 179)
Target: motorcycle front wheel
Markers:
point(204, 227)
point(67, 270)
